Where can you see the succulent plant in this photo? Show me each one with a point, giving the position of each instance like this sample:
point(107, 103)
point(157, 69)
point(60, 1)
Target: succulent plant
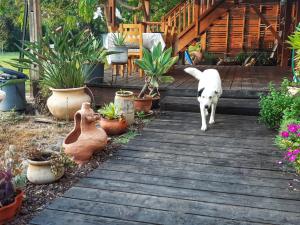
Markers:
point(7, 190)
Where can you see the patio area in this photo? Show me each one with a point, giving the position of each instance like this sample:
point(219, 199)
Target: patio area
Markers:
point(175, 174)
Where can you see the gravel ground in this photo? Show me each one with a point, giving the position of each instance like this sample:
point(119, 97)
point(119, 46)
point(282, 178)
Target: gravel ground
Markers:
point(25, 133)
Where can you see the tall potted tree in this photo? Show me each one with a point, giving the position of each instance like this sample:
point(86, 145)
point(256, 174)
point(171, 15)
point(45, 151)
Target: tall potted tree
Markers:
point(155, 65)
point(60, 56)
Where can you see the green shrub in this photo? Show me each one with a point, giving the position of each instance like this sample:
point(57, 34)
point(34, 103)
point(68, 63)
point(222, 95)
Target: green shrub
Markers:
point(273, 105)
point(293, 112)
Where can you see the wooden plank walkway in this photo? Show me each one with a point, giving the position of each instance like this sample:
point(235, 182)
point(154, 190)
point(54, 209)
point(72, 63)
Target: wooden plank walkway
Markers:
point(233, 78)
point(175, 174)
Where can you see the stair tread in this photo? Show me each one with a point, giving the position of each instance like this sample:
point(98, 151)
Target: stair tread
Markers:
point(225, 105)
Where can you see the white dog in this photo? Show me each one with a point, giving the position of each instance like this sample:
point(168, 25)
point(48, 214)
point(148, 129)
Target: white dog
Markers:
point(209, 92)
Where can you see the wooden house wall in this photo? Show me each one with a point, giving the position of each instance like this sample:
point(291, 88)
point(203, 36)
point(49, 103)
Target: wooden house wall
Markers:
point(241, 29)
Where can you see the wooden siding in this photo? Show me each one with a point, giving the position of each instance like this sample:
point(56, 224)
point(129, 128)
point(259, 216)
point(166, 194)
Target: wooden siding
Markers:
point(241, 29)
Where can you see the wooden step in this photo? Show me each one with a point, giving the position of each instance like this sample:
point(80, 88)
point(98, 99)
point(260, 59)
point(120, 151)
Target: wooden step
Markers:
point(232, 106)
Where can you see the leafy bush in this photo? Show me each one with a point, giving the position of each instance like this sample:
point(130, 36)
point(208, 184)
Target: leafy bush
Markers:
point(272, 105)
point(293, 112)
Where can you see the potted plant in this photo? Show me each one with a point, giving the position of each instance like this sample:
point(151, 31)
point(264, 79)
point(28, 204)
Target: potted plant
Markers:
point(294, 41)
point(155, 65)
point(12, 181)
point(46, 167)
point(120, 47)
point(93, 66)
point(124, 101)
point(112, 120)
point(60, 56)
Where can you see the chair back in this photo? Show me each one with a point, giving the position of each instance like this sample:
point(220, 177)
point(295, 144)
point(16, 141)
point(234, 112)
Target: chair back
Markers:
point(134, 35)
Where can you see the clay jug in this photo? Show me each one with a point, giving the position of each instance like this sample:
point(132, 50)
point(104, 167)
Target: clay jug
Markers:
point(85, 138)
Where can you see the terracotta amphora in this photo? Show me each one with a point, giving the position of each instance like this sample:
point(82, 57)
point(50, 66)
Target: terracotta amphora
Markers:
point(85, 138)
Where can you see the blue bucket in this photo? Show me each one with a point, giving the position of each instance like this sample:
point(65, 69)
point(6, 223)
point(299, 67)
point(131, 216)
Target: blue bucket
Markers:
point(15, 93)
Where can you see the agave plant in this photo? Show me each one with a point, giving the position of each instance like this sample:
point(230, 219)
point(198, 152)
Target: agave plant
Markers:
point(155, 65)
point(294, 41)
point(60, 56)
point(119, 39)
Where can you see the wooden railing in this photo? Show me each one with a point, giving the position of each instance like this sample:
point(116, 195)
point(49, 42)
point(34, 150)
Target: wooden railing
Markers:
point(154, 27)
point(185, 15)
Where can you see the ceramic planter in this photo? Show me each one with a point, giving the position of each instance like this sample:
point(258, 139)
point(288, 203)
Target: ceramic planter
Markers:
point(119, 57)
point(64, 103)
point(85, 138)
point(113, 127)
point(2, 95)
point(8, 212)
point(124, 101)
point(293, 90)
point(143, 104)
point(94, 73)
point(39, 172)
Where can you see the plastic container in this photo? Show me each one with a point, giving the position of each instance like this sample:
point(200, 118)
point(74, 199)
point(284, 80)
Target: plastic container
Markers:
point(15, 93)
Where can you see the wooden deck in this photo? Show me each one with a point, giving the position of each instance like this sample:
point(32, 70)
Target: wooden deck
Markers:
point(233, 78)
point(175, 174)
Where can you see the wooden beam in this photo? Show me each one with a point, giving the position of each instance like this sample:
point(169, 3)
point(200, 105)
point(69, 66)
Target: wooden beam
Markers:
point(297, 5)
point(286, 20)
point(147, 10)
point(35, 33)
point(265, 21)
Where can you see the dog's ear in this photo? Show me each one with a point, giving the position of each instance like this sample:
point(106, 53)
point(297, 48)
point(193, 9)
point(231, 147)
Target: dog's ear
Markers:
point(200, 92)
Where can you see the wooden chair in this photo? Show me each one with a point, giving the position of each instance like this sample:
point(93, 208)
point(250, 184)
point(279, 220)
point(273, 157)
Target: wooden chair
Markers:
point(134, 39)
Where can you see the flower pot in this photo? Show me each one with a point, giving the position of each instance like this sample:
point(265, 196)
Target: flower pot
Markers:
point(155, 102)
point(293, 90)
point(143, 104)
point(8, 212)
point(94, 73)
point(64, 103)
point(124, 101)
point(39, 172)
point(85, 138)
point(2, 95)
point(113, 127)
point(119, 57)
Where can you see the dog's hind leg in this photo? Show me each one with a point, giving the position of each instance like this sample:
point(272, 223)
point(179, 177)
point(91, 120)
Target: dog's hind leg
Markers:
point(212, 114)
point(203, 118)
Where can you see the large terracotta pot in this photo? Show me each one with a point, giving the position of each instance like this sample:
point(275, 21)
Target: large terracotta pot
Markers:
point(124, 101)
point(64, 103)
point(85, 138)
point(2, 95)
point(8, 212)
point(143, 104)
point(39, 172)
point(113, 127)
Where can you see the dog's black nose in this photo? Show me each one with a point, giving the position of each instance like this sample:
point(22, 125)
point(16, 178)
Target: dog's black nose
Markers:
point(206, 106)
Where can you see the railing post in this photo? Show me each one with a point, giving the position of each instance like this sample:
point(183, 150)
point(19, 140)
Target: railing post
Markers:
point(196, 14)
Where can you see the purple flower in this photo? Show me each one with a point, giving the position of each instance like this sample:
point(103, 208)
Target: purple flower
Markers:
point(296, 151)
point(293, 128)
point(288, 154)
point(298, 135)
point(292, 158)
point(285, 134)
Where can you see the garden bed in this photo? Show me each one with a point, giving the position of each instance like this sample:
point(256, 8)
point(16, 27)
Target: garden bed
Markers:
point(28, 132)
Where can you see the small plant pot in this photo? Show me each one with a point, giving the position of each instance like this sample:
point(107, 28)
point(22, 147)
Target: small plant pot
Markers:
point(94, 73)
point(143, 104)
point(124, 101)
point(113, 127)
point(155, 103)
point(39, 172)
point(8, 212)
point(119, 57)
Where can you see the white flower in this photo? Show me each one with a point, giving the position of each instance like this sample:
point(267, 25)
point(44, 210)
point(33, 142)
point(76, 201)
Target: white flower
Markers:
point(98, 13)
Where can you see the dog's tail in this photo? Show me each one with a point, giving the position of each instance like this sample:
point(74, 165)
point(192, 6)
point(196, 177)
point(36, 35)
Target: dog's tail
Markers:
point(194, 72)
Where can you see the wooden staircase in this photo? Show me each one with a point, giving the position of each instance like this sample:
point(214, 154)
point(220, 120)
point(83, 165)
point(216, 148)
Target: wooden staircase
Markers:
point(192, 18)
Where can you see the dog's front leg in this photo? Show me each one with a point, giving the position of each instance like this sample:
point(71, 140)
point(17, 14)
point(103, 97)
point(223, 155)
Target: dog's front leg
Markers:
point(212, 114)
point(203, 117)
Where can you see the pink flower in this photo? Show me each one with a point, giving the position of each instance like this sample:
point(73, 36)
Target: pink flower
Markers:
point(296, 151)
point(293, 128)
point(298, 135)
point(292, 158)
point(285, 134)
